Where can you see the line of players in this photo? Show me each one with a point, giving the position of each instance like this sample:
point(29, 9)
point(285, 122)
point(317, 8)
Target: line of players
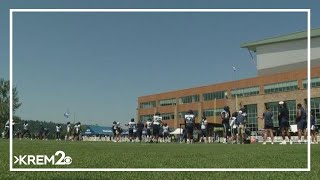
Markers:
point(135, 130)
point(153, 127)
point(234, 127)
point(71, 133)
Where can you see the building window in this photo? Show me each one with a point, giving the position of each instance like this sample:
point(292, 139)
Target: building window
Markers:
point(292, 111)
point(144, 118)
point(281, 87)
point(214, 95)
point(251, 91)
point(274, 107)
point(181, 114)
point(212, 112)
point(167, 116)
point(168, 102)
point(150, 104)
point(252, 117)
point(315, 82)
point(315, 106)
point(189, 99)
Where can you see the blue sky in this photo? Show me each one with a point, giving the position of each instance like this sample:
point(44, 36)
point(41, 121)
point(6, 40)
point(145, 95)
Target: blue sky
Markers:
point(97, 64)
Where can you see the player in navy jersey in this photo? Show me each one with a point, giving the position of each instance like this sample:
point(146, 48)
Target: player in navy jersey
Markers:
point(268, 125)
point(189, 119)
point(283, 118)
point(313, 128)
point(140, 127)
point(225, 117)
point(301, 121)
point(157, 120)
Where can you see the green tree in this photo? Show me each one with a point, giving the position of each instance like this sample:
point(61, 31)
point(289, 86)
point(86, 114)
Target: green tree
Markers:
point(5, 100)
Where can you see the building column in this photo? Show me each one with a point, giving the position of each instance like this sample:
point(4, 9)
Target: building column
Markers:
point(260, 110)
point(175, 121)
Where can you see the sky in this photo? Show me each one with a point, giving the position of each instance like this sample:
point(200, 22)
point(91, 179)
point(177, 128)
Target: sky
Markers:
point(96, 65)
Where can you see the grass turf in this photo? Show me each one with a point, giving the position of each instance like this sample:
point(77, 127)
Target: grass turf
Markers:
point(135, 155)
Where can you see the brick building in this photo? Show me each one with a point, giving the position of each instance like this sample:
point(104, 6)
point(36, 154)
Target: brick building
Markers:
point(282, 76)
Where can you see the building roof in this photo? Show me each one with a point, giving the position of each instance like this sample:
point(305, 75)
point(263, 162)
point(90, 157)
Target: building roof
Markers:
point(282, 38)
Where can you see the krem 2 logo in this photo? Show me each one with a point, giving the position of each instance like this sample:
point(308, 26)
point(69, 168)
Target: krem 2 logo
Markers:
point(43, 159)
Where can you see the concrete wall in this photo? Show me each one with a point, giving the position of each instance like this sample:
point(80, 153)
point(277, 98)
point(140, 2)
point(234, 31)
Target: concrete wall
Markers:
point(285, 56)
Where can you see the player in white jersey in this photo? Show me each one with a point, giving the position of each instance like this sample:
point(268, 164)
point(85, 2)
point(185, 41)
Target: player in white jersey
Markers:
point(149, 126)
point(165, 132)
point(234, 128)
point(26, 130)
point(157, 120)
point(77, 130)
point(189, 119)
point(58, 130)
point(132, 129)
point(204, 130)
point(118, 132)
point(68, 131)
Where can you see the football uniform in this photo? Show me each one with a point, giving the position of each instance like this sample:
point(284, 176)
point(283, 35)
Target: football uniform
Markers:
point(132, 128)
point(204, 124)
point(156, 125)
point(165, 131)
point(149, 124)
point(189, 119)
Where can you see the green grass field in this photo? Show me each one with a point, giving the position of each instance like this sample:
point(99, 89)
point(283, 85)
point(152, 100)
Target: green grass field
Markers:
point(136, 155)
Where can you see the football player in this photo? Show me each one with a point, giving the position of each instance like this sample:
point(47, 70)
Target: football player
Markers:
point(157, 120)
point(204, 126)
point(189, 119)
point(149, 126)
point(225, 116)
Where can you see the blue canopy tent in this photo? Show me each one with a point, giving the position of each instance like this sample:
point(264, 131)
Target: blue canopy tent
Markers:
point(97, 130)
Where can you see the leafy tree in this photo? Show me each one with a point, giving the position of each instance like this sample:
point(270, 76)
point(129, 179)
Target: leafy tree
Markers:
point(5, 101)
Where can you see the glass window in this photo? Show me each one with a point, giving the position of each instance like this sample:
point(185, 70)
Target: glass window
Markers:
point(167, 116)
point(212, 112)
point(281, 87)
point(251, 91)
point(150, 104)
point(168, 102)
point(315, 82)
point(189, 99)
point(275, 109)
point(252, 117)
point(144, 118)
point(315, 105)
point(214, 95)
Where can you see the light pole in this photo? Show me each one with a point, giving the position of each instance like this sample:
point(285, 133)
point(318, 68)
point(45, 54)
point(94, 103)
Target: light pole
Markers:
point(236, 95)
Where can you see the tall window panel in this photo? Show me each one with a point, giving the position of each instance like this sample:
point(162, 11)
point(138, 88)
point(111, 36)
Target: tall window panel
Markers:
point(252, 117)
point(214, 95)
point(150, 104)
point(189, 99)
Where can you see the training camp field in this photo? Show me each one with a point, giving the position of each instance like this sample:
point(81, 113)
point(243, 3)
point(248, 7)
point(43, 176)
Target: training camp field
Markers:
point(174, 155)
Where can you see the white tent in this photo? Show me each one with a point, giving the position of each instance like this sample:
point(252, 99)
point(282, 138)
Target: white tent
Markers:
point(177, 131)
